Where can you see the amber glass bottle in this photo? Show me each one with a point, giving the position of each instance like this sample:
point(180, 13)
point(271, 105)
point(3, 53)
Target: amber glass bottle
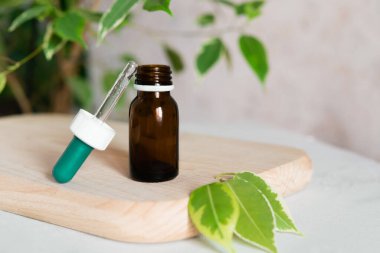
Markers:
point(153, 126)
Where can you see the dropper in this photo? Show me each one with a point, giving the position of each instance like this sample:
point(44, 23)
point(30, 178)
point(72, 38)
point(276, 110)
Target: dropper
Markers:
point(90, 131)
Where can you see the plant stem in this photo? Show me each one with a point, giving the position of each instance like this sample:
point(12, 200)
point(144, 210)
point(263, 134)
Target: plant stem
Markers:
point(225, 176)
point(18, 64)
point(188, 33)
point(225, 2)
point(18, 91)
point(68, 68)
point(95, 5)
point(15, 84)
point(6, 59)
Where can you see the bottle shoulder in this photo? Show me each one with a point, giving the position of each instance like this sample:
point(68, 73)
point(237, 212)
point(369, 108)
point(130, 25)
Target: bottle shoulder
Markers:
point(154, 110)
point(149, 102)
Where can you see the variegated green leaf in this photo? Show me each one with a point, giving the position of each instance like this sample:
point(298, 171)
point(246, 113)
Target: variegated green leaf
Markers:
point(284, 223)
point(214, 213)
point(255, 224)
point(51, 43)
point(27, 15)
point(114, 16)
point(92, 16)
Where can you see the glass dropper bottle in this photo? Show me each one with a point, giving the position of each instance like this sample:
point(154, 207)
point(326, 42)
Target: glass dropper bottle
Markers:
point(90, 131)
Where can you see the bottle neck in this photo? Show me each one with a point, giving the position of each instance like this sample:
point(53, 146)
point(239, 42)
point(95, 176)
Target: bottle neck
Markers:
point(145, 94)
point(153, 81)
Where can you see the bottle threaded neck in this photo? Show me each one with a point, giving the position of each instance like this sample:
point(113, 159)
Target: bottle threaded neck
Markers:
point(153, 74)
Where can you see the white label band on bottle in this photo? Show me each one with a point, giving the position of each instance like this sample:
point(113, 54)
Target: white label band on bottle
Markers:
point(153, 88)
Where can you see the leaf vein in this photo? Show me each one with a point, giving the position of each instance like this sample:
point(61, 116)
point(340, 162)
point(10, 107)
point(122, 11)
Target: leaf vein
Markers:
point(216, 217)
point(246, 212)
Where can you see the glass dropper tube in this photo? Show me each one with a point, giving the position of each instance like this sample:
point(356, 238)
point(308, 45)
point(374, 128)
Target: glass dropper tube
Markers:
point(117, 90)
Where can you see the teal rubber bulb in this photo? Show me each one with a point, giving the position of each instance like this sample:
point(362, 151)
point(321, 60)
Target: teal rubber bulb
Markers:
point(90, 131)
point(71, 160)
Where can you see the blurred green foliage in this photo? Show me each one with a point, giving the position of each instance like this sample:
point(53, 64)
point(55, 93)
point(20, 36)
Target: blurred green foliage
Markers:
point(43, 48)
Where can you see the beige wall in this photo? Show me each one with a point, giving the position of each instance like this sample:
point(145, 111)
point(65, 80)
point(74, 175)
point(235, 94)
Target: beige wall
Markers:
point(324, 78)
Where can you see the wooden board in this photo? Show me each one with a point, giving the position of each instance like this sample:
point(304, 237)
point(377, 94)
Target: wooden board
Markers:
point(103, 201)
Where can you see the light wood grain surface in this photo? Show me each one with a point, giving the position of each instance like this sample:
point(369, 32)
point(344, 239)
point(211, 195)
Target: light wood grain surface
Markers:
point(103, 201)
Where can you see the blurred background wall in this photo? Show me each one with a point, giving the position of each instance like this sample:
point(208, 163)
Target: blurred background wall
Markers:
point(324, 69)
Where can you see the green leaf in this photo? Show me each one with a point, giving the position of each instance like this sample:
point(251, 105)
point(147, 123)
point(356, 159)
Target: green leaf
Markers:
point(51, 43)
point(227, 54)
point(214, 212)
point(255, 224)
point(109, 79)
point(114, 16)
point(27, 15)
point(157, 5)
point(255, 55)
point(206, 19)
point(3, 81)
point(209, 55)
point(81, 90)
point(127, 20)
point(249, 9)
point(10, 3)
point(128, 57)
point(226, 2)
point(70, 27)
point(90, 15)
point(283, 221)
point(174, 58)
point(44, 2)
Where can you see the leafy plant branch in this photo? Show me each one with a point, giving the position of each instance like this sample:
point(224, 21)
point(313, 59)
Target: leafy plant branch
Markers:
point(18, 64)
point(19, 93)
point(15, 84)
point(240, 204)
point(67, 28)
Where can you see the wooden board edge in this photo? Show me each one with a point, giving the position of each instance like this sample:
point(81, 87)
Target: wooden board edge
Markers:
point(62, 207)
point(174, 225)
